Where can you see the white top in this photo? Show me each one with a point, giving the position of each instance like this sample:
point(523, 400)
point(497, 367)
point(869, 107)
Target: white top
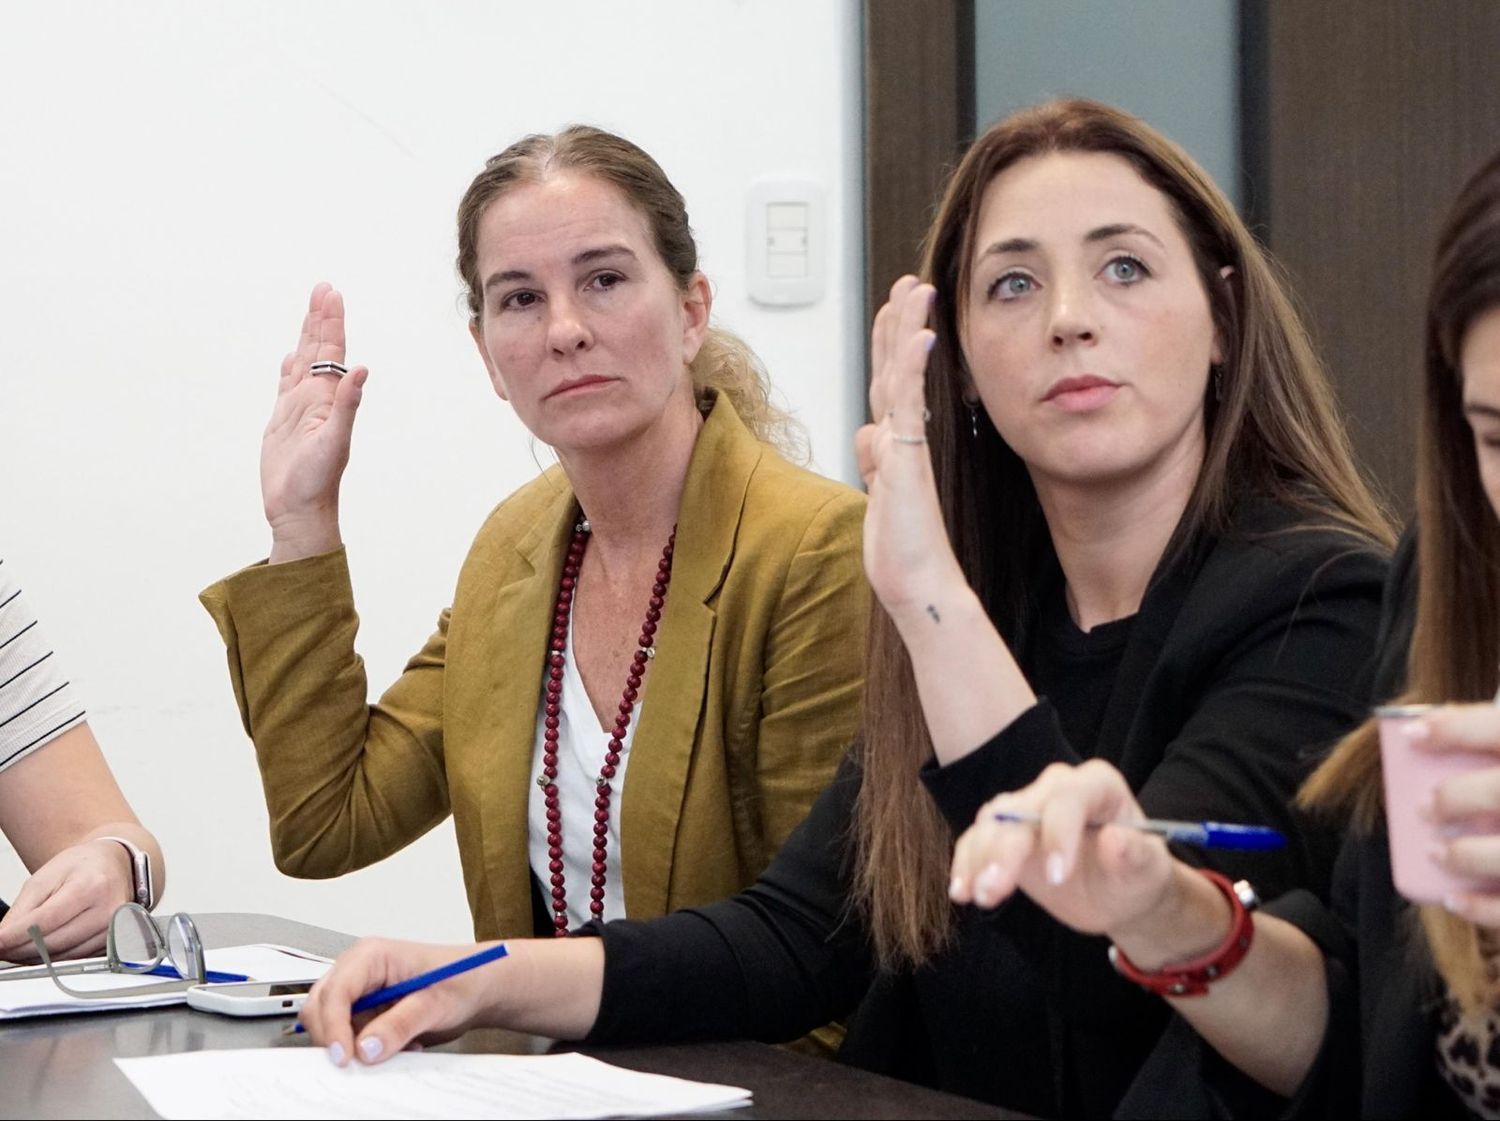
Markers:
point(37, 703)
point(581, 745)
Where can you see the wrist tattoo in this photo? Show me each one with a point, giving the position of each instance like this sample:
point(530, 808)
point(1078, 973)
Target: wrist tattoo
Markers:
point(933, 611)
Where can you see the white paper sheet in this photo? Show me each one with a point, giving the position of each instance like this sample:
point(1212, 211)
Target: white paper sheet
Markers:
point(301, 1083)
point(38, 996)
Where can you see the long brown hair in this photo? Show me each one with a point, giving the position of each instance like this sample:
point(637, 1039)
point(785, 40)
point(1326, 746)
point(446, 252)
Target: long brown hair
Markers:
point(1271, 429)
point(724, 364)
point(1456, 634)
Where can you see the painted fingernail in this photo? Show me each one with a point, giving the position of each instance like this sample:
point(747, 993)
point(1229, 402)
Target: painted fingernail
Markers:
point(371, 1047)
point(987, 885)
point(336, 1054)
point(955, 885)
point(1055, 869)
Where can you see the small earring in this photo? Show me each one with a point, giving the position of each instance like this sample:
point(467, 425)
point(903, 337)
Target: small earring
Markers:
point(973, 419)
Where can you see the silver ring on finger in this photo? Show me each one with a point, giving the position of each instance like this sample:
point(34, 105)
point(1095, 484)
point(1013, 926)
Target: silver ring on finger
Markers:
point(913, 441)
point(338, 369)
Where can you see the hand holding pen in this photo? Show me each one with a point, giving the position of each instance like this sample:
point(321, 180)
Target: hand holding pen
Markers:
point(1203, 834)
point(442, 988)
point(389, 994)
point(1078, 844)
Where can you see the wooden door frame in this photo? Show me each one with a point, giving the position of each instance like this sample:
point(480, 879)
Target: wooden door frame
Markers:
point(919, 117)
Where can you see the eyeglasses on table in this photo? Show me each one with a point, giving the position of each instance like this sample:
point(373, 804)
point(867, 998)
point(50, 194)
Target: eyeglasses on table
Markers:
point(136, 944)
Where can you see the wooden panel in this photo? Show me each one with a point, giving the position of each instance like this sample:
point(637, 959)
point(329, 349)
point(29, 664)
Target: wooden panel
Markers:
point(919, 113)
point(1376, 112)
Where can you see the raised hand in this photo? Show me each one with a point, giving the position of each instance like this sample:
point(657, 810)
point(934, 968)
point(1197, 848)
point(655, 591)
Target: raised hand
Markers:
point(906, 548)
point(306, 444)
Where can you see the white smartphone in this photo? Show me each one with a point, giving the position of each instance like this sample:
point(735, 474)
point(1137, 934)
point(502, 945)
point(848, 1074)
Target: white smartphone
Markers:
point(250, 998)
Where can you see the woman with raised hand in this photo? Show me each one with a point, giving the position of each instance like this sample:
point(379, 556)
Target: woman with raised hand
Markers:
point(651, 662)
point(59, 804)
point(1105, 469)
point(1373, 1006)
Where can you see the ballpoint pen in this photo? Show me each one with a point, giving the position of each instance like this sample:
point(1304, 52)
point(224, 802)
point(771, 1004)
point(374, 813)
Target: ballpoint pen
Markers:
point(210, 976)
point(1204, 834)
point(413, 984)
point(25, 972)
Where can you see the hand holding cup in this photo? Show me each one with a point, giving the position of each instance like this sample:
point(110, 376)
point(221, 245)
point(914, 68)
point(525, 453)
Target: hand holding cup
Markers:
point(1441, 766)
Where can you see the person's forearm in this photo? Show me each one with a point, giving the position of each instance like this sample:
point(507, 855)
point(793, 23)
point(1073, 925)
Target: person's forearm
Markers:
point(1269, 1016)
point(553, 987)
point(94, 806)
point(967, 679)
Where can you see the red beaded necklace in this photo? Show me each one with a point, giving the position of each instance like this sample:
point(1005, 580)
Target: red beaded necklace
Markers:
point(547, 780)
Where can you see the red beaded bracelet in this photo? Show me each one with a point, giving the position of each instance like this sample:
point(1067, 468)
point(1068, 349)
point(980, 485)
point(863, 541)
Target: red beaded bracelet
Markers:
point(1192, 978)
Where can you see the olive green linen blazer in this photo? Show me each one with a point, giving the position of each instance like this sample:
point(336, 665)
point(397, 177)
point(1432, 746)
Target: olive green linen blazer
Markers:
point(752, 699)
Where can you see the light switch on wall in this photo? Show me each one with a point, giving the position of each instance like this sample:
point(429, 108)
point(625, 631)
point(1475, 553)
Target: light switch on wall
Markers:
point(785, 225)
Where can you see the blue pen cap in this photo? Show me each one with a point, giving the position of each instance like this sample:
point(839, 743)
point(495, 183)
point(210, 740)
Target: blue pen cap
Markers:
point(1252, 837)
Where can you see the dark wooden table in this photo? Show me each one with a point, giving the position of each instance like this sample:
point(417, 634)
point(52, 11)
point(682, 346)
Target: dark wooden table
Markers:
point(62, 1066)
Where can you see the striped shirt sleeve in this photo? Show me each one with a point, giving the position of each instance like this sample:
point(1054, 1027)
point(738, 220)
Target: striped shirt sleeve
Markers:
point(37, 702)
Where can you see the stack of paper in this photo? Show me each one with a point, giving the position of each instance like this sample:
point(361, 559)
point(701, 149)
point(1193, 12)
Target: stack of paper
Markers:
point(301, 1083)
point(38, 996)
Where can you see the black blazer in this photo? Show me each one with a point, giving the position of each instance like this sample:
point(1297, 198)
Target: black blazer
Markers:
point(1241, 659)
point(1378, 1057)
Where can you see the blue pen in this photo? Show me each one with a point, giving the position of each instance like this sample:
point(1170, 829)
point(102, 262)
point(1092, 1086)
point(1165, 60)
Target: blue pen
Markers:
point(71, 969)
point(1204, 834)
point(420, 981)
point(210, 977)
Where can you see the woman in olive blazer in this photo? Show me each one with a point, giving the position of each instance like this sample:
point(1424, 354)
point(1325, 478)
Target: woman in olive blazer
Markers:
point(752, 691)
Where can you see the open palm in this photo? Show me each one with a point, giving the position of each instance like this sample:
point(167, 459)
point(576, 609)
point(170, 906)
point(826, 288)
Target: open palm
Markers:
point(306, 444)
point(906, 545)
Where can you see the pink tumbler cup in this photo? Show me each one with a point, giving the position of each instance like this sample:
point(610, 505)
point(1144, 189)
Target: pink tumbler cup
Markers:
point(1411, 775)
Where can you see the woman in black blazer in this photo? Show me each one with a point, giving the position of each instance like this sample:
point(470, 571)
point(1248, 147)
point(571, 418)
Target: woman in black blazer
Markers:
point(1104, 470)
point(1371, 1006)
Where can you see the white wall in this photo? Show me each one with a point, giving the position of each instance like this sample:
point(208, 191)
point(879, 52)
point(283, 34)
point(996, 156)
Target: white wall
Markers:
point(174, 177)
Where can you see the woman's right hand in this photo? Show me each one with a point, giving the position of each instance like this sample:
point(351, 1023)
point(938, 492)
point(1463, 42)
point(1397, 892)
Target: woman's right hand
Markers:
point(306, 444)
point(546, 986)
point(432, 1015)
point(909, 560)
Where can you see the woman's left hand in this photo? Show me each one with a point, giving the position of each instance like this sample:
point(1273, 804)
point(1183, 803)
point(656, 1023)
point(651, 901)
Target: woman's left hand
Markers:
point(908, 557)
point(1471, 800)
point(1096, 879)
point(71, 898)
